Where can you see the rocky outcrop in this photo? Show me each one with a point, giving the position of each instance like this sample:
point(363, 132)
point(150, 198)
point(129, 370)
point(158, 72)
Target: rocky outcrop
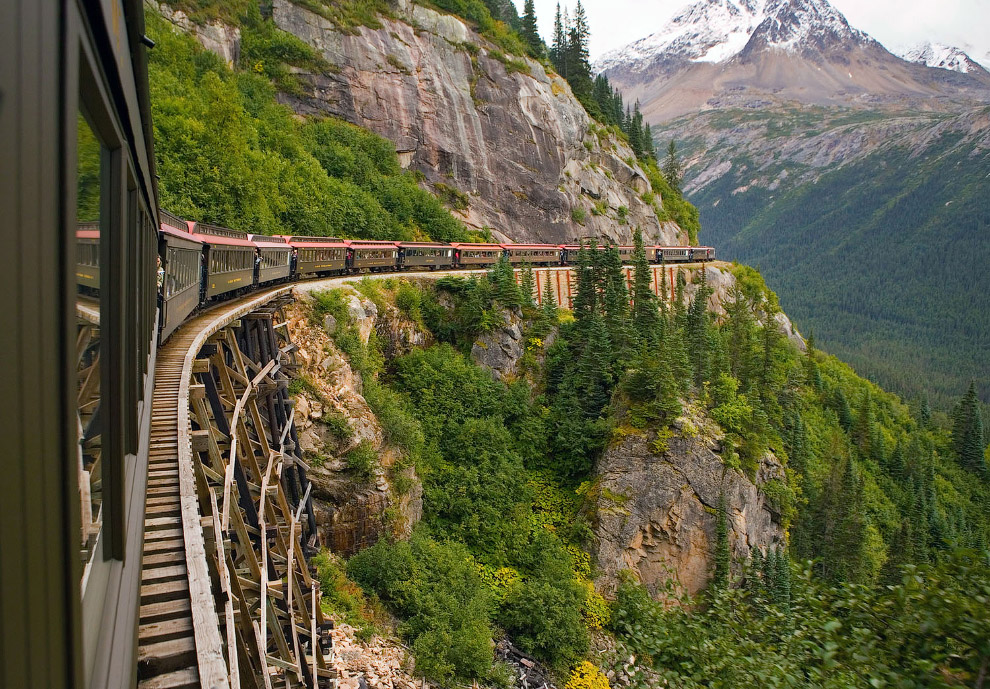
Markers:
point(657, 501)
point(333, 418)
point(500, 350)
point(215, 36)
point(524, 158)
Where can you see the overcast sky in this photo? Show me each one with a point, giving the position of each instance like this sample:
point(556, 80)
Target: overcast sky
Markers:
point(964, 23)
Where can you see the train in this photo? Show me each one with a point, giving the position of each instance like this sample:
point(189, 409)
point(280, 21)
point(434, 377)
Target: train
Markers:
point(202, 263)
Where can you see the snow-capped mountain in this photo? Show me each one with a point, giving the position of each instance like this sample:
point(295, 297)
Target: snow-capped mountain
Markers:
point(755, 53)
point(940, 56)
point(719, 30)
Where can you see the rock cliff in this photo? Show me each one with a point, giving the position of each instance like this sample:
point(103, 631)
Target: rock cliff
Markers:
point(504, 142)
point(656, 506)
point(333, 418)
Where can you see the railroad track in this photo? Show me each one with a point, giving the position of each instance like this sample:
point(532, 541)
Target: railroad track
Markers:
point(178, 639)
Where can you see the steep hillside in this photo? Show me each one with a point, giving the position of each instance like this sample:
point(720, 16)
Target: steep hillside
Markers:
point(872, 228)
point(503, 139)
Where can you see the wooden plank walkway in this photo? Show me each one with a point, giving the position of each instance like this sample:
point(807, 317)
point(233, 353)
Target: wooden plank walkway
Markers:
point(166, 644)
point(176, 611)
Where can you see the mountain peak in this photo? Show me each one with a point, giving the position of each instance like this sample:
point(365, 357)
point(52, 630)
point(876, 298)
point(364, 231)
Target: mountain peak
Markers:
point(719, 30)
point(940, 56)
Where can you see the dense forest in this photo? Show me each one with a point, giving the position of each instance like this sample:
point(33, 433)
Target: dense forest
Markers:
point(884, 258)
point(886, 573)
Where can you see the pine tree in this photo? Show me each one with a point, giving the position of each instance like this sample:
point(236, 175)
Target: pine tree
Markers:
point(925, 412)
point(615, 304)
point(741, 335)
point(864, 430)
point(645, 316)
point(967, 432)
point(595, 368)
point(549, 306)
point(527, 285)
point(503, 277)
point(771, 343)
point(770, 570)
point(585, 298)
point(723, 555)
point(842, 410)
point(782, 584)
point(754, 581)
point(529, 30)
point(698, 325)
point(558, 48)
point(811, 371)
point(671, 168)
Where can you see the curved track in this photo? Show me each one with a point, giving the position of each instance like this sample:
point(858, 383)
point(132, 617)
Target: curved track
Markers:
point(179, 642)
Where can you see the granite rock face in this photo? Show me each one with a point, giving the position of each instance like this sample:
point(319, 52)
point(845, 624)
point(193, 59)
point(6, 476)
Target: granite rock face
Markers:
point(351, 513)
point(215, 36)
point(510, 137)
point(500, 350)
point(657, 510)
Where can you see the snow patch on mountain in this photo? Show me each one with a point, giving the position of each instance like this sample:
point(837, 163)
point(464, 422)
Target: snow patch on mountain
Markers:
point(940, 56)
point(719, 30)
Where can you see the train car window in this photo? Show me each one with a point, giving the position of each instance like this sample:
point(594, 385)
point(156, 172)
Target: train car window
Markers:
point(90, 163)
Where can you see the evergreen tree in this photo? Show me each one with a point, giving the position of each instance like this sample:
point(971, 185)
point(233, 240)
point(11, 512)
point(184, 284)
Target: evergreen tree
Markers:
point(503, 277)
point(645, 316)
point(615, 304)
point(754, 581)
point(925, 412)
point(723, 554)
point(967, 432)
point(527, 285)
point(811, 370)
point(782, 583)
point(741, 336)
point(585, 298)
point(864, 431)
point(841, 406)
point(549, 306)
point(558, 47)
point(698, 324)
point(671, 169)
point(529, 31)
point(770, 570)
point(770, 372)
point(595, 368)
point(679, 306)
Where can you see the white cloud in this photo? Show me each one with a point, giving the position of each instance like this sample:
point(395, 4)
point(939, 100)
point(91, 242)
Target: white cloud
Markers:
point(615, 23)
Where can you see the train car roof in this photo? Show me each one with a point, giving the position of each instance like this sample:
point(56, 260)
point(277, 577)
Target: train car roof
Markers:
point(437, 245)
point(88, 230)
point(512, 247)
point(370, 244)
point(317, 242)
point(472, 245)
point(222, 241)
point(172, 231)
point(269, 241)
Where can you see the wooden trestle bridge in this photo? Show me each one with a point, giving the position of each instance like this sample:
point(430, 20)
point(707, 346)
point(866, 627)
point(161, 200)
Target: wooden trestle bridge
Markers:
point(224, 472)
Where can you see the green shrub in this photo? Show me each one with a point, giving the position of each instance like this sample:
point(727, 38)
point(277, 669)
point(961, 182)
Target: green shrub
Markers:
point(445, 607)
point(397, 419)
point(362, 460)
point(342, 597)
point(408, 299)
point(579, 214)
point(543, 615)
